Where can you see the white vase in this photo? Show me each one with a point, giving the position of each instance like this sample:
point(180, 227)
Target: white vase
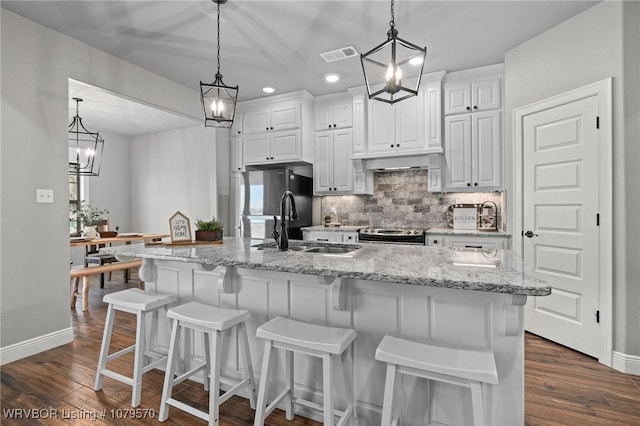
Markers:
point(90, 232)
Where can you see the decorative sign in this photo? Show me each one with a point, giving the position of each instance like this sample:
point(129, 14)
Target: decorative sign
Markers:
point(465, 218)
point(180, 228)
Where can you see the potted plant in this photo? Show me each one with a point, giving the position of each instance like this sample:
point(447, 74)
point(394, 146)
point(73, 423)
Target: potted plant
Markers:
point(327, 218)
point(91, 217)
point(209, 230)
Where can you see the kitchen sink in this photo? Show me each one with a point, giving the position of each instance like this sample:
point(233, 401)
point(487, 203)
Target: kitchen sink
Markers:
point(309, 249)
point(333, 250)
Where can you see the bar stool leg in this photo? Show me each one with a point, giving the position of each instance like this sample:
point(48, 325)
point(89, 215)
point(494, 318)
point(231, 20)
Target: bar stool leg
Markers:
point(167, 388)
point(104, 349)
point(138, 362)
point(387, 403)
point(289, 378)
point(214, 385)
point(477, 403)
point(248, 365)
point(327, 388)
point(261, 404)
point(347, 373)
point(207, 360)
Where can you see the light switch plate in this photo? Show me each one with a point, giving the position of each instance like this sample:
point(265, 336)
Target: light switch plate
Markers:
point(44, 195)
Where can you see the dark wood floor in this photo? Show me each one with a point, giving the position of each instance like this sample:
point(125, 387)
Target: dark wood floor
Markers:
point(562, 387)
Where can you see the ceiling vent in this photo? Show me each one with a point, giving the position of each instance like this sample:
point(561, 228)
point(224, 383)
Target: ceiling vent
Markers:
point(338, 54)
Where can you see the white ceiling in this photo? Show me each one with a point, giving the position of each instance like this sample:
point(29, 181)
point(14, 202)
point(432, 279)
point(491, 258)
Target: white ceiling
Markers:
point(278, 43)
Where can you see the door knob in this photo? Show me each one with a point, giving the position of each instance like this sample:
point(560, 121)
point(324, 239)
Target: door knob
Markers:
point(530, 234)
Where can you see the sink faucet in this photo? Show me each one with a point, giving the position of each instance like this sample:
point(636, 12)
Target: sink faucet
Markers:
point(281, 237)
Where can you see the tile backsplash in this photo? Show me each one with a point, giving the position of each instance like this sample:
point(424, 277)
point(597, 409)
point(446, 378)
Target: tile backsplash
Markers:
point(401, 200)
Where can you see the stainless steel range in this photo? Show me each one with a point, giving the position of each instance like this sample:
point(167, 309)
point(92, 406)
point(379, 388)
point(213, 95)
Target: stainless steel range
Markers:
point(392, 236)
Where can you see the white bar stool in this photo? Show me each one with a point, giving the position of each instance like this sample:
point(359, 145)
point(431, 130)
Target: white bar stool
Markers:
point(327, 343)
point(140, 303)
point(213, 321)
point(462, 367)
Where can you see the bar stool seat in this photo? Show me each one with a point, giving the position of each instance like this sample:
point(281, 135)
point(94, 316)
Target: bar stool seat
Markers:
point(140, 303)
point(463, 367)
point(212, 321)
point(327, 343)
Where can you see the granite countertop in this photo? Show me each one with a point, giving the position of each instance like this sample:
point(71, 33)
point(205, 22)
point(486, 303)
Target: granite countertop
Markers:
point(341, 228)
point(466, 232)
point(498, 271)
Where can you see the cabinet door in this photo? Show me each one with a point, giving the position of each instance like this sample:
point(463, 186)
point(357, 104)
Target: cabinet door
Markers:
point(285, 117)
point(457, 151)
point(323, 116)
point(343, 114)
point(285, 146)
point(359, 126)
point(410, 124)
point(323, 162)
point(382, 131)
point(433, 115)
point(331, 236)
point(236, 152)
point(256, 121)
point(342, 164)
point(457, 98)
point(486, 166)
point(486, 95)
point(474, 242)
point(255, 148)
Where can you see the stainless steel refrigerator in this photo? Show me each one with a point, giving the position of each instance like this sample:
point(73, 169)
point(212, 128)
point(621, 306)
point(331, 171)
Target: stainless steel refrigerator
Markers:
point(261, 192)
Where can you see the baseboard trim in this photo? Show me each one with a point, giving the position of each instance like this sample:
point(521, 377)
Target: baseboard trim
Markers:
point(629, 364)
point(36, 345)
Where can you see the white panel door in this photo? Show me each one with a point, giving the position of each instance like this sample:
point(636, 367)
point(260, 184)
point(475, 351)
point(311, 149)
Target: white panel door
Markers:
point(285, 146)
point(255, 148)
point(323, 116)
point(382, 127)
point(560, 199)
point(410, 123)
point(486, 95)
point(343, 114)
point(256, 121)
point(457, 98)
point(285, 117)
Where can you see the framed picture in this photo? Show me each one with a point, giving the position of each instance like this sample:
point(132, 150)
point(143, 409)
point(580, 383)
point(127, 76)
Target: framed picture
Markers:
point(180, 228)
point(465, 218)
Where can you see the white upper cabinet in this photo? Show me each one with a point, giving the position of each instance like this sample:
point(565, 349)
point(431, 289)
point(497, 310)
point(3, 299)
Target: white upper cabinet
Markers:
point(472, 95)
point(277, 129)
point(333, 115)
point(472, 156)
point(333, 169)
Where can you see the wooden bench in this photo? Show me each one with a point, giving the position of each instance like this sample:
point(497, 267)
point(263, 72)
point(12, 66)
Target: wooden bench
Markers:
point(85, 273)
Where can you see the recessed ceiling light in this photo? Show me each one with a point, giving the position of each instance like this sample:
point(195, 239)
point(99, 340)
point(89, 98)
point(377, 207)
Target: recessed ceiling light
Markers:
point(332, 77)
point(417, 60)
point(268, 89)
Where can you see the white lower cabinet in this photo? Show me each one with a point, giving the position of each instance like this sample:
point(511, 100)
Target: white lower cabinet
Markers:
point(331, 236)
point(468, 242)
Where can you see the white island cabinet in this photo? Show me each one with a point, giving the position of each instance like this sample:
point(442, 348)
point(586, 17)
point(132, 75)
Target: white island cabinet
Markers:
point(425, 293)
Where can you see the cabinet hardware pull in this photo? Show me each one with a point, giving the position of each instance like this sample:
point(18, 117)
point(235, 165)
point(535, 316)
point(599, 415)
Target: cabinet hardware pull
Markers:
point(267, 128)
point(468, 108)
point(475, 184)
point(468, 246)
point(475, 107)
point(391, 145)
point(468, 184)
point(397, 145)
point(322, 239)
point(335, 189)
point(329, 125)
point(271, 127)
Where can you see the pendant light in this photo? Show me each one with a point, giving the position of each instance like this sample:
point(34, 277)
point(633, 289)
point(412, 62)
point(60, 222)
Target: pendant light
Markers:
point(399, 62)
point(85, 147)
point(218, 99)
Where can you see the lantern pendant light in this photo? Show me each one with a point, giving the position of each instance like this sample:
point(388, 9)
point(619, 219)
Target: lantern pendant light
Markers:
point(85, 147)
point(218, 99)
point(402, 72)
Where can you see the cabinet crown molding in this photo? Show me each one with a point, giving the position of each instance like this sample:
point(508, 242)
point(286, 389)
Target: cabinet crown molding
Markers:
point(471, 73)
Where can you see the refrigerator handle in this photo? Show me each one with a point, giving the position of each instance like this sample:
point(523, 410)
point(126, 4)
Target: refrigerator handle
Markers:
point(275, 234)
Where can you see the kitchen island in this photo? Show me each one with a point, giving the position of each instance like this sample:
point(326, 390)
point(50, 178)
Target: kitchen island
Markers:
point(464, 298)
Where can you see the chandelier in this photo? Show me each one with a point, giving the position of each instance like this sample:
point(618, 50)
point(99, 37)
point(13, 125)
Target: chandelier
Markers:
point(218, 99)
point(402, 72)
point(85, 147)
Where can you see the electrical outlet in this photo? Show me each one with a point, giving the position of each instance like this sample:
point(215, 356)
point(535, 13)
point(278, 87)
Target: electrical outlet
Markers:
point(44, 195)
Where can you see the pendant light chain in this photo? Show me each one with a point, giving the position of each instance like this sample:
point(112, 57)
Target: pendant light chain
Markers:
point(218, 38)
point(393, 19)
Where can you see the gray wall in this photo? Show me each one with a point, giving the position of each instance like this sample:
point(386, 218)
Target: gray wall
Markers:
point(173, 170)
point(599, 43)
point(34, 247)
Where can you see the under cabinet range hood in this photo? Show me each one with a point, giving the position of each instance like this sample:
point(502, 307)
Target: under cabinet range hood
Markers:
point(396, 163)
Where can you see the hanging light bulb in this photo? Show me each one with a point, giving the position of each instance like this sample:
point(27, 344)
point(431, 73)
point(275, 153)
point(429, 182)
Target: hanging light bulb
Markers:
point(401, 52)
point(218, 99)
